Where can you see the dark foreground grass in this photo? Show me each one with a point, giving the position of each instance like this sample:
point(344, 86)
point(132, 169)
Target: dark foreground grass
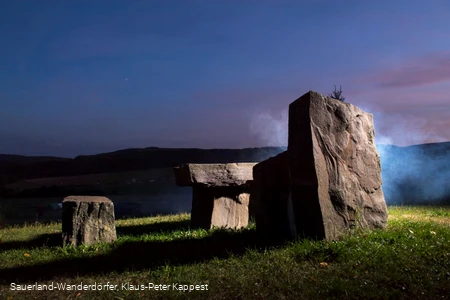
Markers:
point(410, 259)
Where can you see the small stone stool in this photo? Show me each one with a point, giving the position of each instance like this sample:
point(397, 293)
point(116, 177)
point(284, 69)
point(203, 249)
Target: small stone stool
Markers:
point(87, 220)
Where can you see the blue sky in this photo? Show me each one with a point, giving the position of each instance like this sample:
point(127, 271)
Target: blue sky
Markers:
point(83, 77)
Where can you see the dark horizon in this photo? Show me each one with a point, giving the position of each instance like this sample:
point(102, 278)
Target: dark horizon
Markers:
point(195, 148)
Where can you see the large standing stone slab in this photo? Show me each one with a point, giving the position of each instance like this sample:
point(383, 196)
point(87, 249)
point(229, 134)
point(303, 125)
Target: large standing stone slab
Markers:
point(88, 220)
point(220, 193)
point(334, 168)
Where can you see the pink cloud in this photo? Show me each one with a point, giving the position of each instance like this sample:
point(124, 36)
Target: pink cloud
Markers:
point(400, 100)
point(410, 129)
point(407, 116)
point(429, 69)
point(403, 116)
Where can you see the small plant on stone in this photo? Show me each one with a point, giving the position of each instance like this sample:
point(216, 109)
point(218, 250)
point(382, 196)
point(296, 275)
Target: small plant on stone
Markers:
point(337, 94)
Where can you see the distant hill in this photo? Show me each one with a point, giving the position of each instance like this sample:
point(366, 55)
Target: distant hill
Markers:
point(15, 167)
point(11, 159)
point(414, 174)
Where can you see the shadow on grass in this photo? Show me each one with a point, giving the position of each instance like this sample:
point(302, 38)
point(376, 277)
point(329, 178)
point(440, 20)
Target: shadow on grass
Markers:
point(134, 256)
point(55, 239)
point(49, 240)
point(136, 230)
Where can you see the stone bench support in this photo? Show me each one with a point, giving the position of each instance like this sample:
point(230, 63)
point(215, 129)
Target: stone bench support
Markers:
point(269, 199)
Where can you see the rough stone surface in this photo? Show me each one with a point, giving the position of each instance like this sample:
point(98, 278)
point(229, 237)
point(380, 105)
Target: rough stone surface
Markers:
point(220, 206)
point(269, 199)
point(232, 174)
point(88, 220)
point(220, 193)
point(334, 168)
point(230, 210)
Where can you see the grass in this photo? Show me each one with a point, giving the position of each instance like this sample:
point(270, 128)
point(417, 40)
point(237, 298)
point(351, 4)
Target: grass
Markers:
point(410, 259)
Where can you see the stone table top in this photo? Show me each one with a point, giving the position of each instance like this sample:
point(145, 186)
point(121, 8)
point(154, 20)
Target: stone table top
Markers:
point(214, 175)
point(86, 199)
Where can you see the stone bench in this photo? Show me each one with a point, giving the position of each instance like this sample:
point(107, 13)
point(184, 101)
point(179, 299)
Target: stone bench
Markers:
point(220, 193)
point(87, 220)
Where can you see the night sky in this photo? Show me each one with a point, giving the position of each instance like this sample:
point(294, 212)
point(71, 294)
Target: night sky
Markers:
point(84, 77)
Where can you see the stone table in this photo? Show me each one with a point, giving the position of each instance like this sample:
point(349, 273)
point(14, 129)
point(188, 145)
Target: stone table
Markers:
point(220, 193)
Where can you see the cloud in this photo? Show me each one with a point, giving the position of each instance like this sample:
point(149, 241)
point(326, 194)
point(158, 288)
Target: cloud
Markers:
point(261, 113)
point(414, 99)
point(409, 129)
point(271, 129)
point(429, 69)
point(403, 116)
point(407, 116)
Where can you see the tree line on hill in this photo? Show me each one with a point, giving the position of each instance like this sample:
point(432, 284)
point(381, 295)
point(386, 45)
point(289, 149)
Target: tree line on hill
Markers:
point(15, 168)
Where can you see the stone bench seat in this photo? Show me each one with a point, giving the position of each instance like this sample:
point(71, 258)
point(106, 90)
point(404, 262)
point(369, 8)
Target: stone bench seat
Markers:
point(220, 193)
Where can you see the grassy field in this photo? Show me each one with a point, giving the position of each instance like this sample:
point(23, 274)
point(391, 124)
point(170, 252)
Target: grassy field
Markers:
point(410, 259)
